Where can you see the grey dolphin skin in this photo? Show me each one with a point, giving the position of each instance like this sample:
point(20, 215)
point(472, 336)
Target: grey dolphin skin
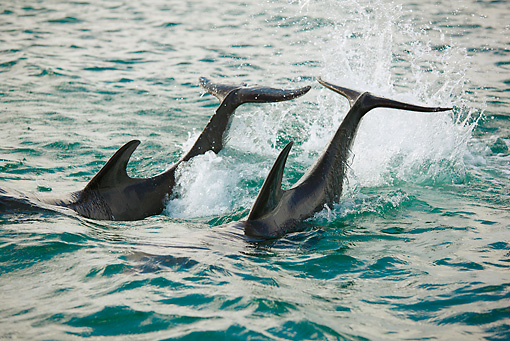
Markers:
point(113, 195)
point(276, 211)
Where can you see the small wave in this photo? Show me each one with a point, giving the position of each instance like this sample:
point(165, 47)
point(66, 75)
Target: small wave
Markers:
point(65, 20)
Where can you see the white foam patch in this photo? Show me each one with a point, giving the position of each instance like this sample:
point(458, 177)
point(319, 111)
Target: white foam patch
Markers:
point(215, 184)
point(203, 187)
point(362, 204)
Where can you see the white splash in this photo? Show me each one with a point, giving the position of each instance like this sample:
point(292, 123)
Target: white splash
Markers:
point(204, 186)
point(370, 46)
point(373, 49)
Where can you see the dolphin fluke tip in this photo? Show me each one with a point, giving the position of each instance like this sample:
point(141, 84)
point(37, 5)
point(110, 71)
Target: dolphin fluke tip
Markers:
point(219, 90)
point(443, 109)
point(350, 94)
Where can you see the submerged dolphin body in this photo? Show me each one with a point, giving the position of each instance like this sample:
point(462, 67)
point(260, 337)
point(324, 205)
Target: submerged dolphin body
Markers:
point(113, 195)
point(276, 211)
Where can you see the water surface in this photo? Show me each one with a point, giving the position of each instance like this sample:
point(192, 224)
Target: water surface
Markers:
point(417, 248)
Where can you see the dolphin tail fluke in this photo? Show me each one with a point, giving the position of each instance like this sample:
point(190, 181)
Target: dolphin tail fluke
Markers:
point(114, 171)
point(370, 101)
point(250, 94)
point(271, 191)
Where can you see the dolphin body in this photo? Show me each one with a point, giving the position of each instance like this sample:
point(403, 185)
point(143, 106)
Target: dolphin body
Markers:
point(113, 195)
point(276, 211)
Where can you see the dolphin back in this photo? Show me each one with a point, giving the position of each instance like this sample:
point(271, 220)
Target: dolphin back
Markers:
point(111, 194)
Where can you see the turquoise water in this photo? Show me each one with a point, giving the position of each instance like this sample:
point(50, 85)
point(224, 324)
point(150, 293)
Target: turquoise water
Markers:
point(417, 248)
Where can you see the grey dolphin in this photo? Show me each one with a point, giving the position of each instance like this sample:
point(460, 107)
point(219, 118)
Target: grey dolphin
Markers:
point(276, 211)
point(113, 195)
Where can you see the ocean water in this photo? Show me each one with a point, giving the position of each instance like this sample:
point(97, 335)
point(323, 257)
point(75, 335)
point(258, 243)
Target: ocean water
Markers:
point(417, 248)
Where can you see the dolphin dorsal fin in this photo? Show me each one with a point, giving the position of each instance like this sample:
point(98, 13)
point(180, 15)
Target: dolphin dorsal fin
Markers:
point(114, 171)
point(271, 191)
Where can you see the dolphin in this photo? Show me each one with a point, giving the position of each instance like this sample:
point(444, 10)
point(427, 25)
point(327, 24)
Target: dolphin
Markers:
point(113, 195)
point(277, 212)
